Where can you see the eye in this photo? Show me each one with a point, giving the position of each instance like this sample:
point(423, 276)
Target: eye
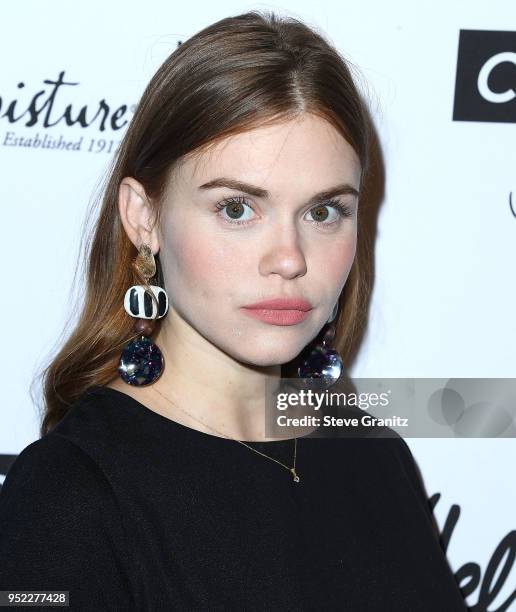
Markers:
point(234, 207)
point(319, 212)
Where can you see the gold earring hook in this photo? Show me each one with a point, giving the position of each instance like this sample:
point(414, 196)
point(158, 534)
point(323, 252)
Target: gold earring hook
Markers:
point(145, 262)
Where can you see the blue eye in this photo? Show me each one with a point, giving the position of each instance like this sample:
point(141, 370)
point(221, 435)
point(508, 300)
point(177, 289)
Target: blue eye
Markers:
point(342, 210)
point(235, 206)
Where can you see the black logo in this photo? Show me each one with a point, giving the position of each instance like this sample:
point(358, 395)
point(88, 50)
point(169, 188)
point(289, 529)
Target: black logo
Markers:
point(43, 110)
point(485, 86)
point(469, 576)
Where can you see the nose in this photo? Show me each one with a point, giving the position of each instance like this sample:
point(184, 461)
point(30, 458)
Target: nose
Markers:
point(283, 253)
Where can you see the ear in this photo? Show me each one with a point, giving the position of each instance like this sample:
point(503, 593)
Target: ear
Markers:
point(136, 214)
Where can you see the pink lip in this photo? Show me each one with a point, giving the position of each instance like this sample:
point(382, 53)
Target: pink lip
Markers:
point(279, 311)
point(282, 304)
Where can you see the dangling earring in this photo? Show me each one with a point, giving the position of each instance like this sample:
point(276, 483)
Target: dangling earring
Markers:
point(141, 361)
point(323, 363)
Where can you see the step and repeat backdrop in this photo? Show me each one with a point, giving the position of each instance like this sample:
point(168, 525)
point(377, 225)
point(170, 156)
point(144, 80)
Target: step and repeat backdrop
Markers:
point(440, 79)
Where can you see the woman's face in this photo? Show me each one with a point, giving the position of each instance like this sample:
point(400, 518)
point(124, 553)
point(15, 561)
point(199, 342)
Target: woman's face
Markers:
point(270, 240)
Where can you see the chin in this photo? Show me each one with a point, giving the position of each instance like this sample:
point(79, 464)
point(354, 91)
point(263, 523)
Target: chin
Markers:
point(275, 356)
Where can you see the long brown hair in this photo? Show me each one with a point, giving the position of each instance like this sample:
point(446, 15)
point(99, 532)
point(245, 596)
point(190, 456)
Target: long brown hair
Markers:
point(237, 74)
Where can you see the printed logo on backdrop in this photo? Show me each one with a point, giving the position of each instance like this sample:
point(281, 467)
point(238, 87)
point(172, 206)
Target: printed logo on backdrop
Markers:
point(485, 85)
point(41, 109)
point(49, 117)
point(499, 572)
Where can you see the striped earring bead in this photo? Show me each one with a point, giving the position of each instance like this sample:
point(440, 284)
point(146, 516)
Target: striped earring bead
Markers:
point(138, 303)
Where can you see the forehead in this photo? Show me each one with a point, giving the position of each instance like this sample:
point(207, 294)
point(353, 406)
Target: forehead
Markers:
point(304, 151)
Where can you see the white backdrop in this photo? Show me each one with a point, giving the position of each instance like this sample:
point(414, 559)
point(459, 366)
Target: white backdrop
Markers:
point(444, 295)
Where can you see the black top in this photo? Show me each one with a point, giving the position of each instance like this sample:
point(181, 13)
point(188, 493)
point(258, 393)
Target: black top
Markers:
point(129, 510)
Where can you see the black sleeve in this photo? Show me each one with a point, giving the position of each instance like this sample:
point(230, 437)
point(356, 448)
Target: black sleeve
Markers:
point(60, 528)
point(408, 464)
point(406, 459)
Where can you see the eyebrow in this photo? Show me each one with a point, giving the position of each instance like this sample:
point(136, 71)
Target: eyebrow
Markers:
point(259, 192)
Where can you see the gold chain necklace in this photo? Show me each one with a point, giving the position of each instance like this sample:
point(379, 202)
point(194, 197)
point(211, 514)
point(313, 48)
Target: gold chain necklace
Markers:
point(292, 469)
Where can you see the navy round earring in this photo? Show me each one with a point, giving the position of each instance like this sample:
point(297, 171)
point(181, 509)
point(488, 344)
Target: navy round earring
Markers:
point(322, 364)
point(141, 361)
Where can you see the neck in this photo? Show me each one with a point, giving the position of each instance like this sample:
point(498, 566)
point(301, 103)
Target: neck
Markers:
point(204, 388)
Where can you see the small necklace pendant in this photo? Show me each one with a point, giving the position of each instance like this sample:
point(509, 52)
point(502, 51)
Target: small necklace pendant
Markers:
point(296, 477)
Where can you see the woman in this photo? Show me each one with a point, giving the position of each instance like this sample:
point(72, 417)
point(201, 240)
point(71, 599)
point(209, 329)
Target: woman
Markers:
point(154, 485)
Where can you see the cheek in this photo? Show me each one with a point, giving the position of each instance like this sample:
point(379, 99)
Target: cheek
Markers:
point(347, 255)
point(335, 261)
point(209, 270)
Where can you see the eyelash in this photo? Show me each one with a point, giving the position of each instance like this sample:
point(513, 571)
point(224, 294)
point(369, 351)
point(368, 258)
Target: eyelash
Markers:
point(343, 210)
